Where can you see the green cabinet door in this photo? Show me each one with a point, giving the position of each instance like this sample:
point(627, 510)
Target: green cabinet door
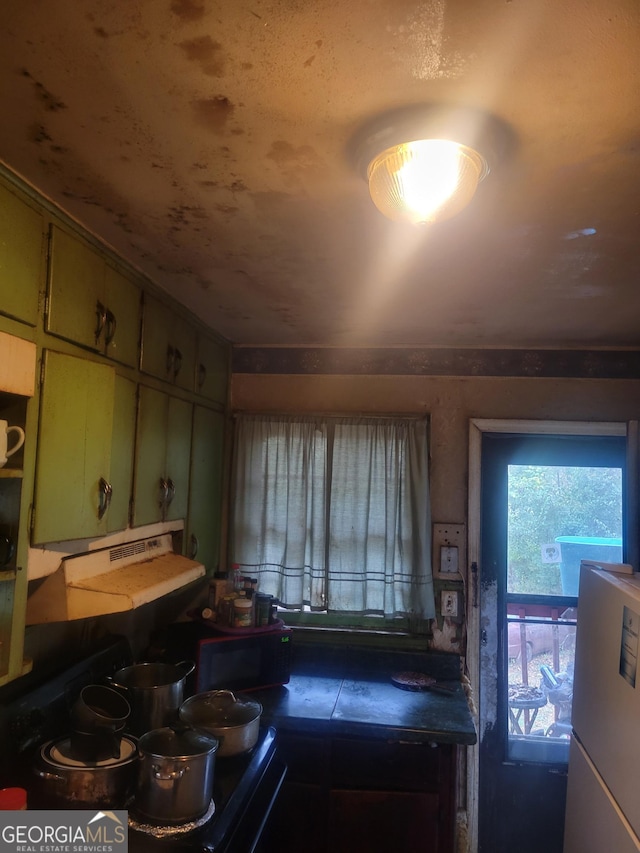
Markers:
point(163, 447)
point(177, 457)
point(123, 305)
point(205, 489)
point(21, 257)
point(89, 302)
point(212, 371)
point(74, 449)
point(168, 345)
point(75, 290)
point(122, 445)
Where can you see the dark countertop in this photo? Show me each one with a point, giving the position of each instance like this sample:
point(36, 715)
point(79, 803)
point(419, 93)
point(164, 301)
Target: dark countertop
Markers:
point(348, 693)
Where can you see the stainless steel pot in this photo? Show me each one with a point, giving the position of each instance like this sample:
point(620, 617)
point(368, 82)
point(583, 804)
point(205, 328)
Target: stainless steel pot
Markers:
point(231, 717)
point(64, 782)
point(155, 691)
point(175, 774)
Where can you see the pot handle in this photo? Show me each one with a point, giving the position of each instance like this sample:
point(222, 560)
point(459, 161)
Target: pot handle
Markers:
point(187, 665)
point(49, 777)
point(166, 777)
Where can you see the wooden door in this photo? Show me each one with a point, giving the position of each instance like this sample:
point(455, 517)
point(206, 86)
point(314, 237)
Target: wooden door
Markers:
point(150, 455)
point(121, 339)
point(178, 455)
point(122, 447)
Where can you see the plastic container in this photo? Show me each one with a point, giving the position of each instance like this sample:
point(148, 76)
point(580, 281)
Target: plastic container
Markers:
point(577, 548)
point(13, 799)
point(242, 613)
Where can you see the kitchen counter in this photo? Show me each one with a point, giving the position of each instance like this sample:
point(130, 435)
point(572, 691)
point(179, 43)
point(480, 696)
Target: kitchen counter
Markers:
point(338, 691)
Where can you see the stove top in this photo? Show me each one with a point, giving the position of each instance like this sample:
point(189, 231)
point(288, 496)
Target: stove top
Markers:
point(245, 786)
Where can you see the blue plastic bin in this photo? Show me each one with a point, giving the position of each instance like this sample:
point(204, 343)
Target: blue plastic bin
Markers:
point(576, 548)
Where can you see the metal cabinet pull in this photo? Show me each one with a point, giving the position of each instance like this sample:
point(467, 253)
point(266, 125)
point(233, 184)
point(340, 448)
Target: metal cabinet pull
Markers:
point(193, 546)
point(105, 490)
point(101, 317)
point(177, 362)
point(110, 330)
point(171, 491)
point(164, 493)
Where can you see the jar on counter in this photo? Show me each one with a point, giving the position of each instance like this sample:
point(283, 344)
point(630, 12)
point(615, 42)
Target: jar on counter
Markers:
point(263, 609)
point(242, 613)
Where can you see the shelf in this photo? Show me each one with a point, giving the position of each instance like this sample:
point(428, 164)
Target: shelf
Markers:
point(11, 473)
point(7, 575)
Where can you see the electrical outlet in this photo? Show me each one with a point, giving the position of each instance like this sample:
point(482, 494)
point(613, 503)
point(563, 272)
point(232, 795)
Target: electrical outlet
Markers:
point(450, 603)
point(448, 549)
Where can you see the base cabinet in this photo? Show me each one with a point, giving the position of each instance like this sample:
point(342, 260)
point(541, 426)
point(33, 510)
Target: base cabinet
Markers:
point(344, 794)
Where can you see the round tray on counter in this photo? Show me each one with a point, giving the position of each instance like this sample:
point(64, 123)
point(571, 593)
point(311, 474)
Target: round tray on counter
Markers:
point(227, 629)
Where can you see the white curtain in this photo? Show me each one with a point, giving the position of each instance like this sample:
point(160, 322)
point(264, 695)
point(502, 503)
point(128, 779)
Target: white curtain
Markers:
point(334, 513)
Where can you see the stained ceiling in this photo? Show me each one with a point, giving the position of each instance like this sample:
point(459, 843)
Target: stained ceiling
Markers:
point(209, 143)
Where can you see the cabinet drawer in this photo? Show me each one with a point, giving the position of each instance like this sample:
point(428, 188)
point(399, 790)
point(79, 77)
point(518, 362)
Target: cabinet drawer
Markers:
point(386, 766)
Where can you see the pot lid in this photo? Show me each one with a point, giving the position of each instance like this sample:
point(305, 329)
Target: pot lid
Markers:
point(220, 708)
point(59, 753)
point(177, 742)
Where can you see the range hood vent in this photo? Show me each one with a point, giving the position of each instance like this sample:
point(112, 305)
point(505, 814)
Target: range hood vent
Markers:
point(111, 580)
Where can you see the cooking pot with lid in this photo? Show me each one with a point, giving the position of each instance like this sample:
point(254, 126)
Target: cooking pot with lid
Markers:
point(62, 781)
point(233, 718)
point(155, 691)
point(175, 774)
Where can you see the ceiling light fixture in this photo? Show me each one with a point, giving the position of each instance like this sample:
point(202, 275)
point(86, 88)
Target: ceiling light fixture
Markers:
point(424, 164)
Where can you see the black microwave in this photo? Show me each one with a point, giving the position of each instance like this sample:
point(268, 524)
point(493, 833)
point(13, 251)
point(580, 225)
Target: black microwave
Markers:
point(244, 662)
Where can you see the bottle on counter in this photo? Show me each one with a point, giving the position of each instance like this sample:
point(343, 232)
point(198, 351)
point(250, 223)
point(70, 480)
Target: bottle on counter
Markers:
point(218, 586)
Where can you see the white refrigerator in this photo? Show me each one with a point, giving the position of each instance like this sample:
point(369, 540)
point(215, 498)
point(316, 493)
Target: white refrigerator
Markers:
point(603, 792)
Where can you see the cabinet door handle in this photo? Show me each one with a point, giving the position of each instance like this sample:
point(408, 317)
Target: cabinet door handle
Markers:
point(177, 362)
point(110, 331)
point(164, 493)
point(171, 490)
point(170, 360)
point(106, 490)
point(101, 317)
point(193, 546)
point(202, 375)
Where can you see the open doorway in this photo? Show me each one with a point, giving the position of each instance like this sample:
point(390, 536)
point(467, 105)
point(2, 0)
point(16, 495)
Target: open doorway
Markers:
point(539, 493)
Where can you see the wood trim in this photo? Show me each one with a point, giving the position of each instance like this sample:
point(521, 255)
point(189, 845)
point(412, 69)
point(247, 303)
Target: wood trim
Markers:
point(426, 361)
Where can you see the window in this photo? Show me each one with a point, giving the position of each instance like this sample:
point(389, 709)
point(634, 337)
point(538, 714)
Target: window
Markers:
point(332, 514)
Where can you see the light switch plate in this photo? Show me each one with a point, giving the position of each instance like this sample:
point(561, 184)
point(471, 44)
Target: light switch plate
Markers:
point(445, 538)
point(450, 603)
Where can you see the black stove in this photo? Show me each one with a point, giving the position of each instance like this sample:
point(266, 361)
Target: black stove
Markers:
point(34, 711)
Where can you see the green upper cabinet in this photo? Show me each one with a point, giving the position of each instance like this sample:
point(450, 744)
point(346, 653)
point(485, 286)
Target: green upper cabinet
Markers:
point(163, 451)
point(72, 487)
point(205, 488)
point(89, 302)
point(168, 345)
point(212, 371)
point(21, 257)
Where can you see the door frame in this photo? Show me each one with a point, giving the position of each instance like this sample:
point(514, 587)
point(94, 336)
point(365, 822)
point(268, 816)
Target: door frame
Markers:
point(478, 426)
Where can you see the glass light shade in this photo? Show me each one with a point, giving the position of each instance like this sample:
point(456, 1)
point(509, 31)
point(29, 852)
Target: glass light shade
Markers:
point(425, 181)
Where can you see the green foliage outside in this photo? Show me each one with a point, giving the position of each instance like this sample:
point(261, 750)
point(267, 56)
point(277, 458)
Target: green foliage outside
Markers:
point(549, 501)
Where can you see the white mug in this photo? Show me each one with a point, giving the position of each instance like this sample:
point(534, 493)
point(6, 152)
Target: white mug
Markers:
point(6, 451)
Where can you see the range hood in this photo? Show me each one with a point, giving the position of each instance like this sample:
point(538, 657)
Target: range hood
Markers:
point(111, 580)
